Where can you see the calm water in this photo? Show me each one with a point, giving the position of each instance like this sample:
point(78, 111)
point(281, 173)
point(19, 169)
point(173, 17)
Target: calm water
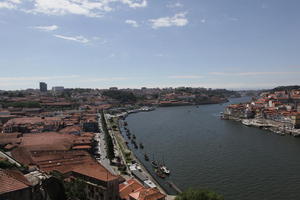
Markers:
point(242, 163)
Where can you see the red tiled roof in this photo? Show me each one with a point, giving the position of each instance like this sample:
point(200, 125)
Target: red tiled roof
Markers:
point(147, 194)
point(82, 147)
point(12, 180)
point(125, 189)
point(70, 129)
point(47, 141)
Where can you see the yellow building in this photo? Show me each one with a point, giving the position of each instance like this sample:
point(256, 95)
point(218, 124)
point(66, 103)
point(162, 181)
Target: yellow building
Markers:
point(296, 121)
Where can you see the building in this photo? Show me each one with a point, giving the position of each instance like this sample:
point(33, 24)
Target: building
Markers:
point(14, 185)
point(58, 89)
point(99, 183)
point(133, 190)
point(43, 87)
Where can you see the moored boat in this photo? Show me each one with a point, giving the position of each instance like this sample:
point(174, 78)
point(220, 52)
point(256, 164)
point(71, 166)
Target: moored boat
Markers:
point(146, 157)
point(165, 170)
point(154, 164)
point(160, 174)
point(141, 145)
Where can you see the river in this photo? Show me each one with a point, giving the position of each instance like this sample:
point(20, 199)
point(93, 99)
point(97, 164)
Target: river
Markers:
point(239, 162)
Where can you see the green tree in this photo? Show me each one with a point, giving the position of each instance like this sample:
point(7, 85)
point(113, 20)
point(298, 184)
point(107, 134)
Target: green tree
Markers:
point(122, 96)
point(75, 189)
point(199, 194)
point(108, 139)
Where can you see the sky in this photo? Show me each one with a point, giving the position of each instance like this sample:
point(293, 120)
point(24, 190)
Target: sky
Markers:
point(233, 44)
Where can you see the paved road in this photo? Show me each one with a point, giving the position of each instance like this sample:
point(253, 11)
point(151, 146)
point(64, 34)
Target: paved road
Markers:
point(102, 150)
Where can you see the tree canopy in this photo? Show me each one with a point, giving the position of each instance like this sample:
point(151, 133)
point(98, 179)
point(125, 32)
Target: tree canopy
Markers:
point(199, 194)
point(122, 96)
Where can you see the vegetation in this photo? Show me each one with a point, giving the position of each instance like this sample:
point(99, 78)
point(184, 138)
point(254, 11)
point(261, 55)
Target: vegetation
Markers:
point(199, 194)
point(75, 189)
point(108, 139)
point(4, 164)
point(122, 96)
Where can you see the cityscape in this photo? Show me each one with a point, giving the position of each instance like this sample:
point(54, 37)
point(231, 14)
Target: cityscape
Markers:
point(149, 100)
point(75, 143)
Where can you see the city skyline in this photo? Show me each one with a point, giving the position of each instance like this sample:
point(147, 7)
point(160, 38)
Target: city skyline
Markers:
point(142, 43)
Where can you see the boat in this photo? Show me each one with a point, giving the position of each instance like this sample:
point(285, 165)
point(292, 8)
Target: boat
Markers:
point(141, 145)
point(160, 174)
point(135, 145)
point(154, 164)
point(146, 157)
point(133, 136)
point(246, 122)
point(165, 170)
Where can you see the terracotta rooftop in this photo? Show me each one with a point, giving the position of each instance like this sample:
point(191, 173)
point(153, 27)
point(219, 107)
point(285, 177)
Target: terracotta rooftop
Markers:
point(129, 187)
point(147, 194)
point(32, 120)
point(70, 129)
point(47, 141)
point(12, 180)
point(64, 161)
point(81, 147)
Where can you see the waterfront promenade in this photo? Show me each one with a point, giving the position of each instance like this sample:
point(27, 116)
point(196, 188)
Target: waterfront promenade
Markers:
point(119, 148)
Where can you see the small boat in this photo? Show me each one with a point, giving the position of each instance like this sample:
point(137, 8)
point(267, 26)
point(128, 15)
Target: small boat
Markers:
point(125, 124)
point(133, 136)
point(246, 122)
point(165, 170)
point(154, 164)
point(141, 146)
point(146, 157)
point(160, 174)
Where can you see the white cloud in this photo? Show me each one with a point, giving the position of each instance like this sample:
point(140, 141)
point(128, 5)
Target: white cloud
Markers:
point(79, 39)
point(9, 4)
point(135, 3)
point(47, 28)
point(186, 77)
point(178, 19)
point(133, 23)
point(89, 8)
point(175, 5)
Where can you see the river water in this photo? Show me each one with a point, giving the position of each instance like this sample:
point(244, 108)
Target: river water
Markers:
point(239, 162)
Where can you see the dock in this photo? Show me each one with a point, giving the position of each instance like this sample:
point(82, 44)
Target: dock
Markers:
point(172, 185)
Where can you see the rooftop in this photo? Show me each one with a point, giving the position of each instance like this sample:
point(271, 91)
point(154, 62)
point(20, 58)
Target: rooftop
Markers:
point(12, 180)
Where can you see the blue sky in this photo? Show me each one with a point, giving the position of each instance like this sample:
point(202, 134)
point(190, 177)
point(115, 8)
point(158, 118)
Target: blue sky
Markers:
point(234, 44)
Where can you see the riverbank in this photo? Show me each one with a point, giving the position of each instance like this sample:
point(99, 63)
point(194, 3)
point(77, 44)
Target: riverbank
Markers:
point(134, 167)
point(275, 127)
point(203, 151)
